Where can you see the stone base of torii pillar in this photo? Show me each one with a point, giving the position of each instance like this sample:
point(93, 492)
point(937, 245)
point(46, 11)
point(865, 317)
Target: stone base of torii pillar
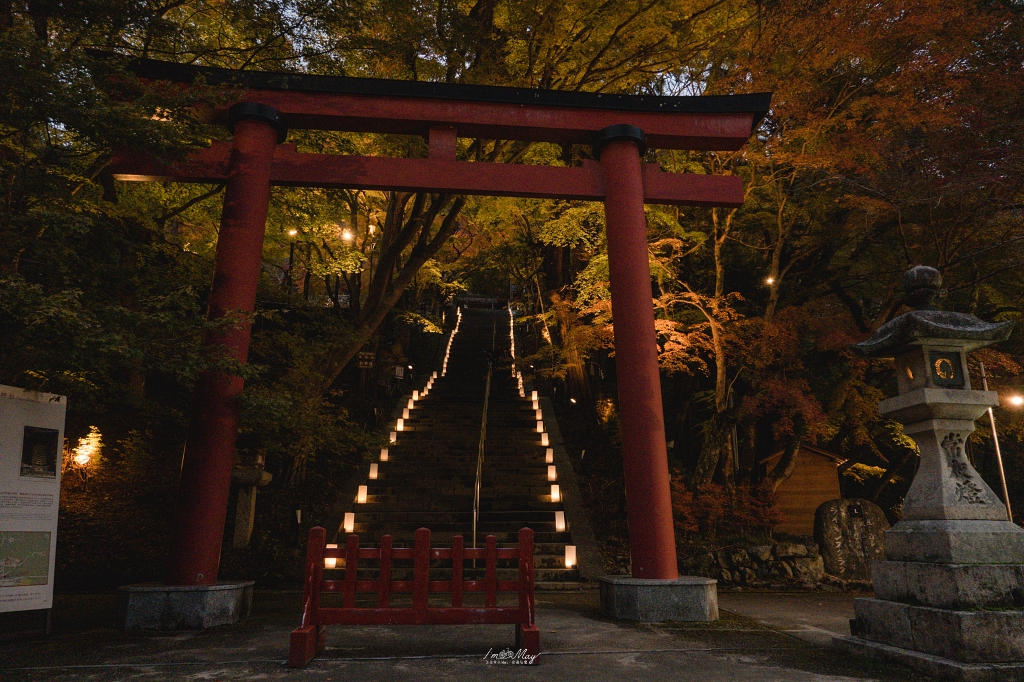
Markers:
point(949, 597)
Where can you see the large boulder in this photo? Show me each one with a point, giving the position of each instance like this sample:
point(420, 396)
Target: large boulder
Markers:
point(849, 533)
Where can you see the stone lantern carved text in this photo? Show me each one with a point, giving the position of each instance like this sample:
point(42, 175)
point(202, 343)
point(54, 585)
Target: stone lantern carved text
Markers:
point(967, 490)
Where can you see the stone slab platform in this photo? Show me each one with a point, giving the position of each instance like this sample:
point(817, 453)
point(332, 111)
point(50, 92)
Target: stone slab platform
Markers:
point(935, 667)
point(950, 586)
point(688, 598)
point(967, 636)
point(153, 606)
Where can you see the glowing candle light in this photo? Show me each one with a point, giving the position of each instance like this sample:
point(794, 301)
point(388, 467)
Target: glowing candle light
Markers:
point(383, 454)
point(434, 375)
point(361, 495)
point(552, 473)
point(350, 522)
point(415, 397)
point(556, 494)
point(393, 437)
point(536, 404)
point(331, 562)
point(544, 439)
point(405, 413)
point(373, 472)
point(570, 556)
point(560, 522)
point(540, 427)
point(534, 396)
point(539, 412)
point(549, 455)
point(400, 425)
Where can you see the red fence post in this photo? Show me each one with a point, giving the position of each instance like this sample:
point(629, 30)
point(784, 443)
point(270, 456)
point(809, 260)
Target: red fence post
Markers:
point(384, 588)
point(458, 557)
point(308, 638)
point(351, 570)
point(202, 502)
point(645, 459)
point(421, 572)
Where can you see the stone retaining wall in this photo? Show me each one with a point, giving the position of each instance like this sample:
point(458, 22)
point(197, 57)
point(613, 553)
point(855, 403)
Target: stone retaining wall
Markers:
point(784, 563)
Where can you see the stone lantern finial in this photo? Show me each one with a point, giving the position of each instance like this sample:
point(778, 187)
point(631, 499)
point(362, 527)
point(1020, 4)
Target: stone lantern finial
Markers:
point(921, 285)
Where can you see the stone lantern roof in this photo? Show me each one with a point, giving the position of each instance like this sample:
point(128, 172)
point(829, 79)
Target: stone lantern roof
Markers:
point(927, 325)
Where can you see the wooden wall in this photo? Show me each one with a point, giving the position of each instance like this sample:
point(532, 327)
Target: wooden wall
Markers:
point(815, 480)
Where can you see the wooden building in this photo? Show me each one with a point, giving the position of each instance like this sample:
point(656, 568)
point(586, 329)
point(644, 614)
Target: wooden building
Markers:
point(815, 480)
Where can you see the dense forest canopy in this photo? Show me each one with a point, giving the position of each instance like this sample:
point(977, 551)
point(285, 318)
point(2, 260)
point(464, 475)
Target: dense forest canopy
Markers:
point(896, 138)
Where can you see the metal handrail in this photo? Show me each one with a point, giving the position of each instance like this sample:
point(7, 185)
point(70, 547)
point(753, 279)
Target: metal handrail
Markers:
point(480, 455)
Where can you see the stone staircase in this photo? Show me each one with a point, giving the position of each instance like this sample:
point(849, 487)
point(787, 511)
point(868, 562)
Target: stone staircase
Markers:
point(430, 472)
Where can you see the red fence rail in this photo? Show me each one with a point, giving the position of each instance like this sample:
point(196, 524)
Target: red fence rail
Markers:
point(308, 639)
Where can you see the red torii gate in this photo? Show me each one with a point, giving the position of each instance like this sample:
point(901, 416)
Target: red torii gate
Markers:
point(620, 127)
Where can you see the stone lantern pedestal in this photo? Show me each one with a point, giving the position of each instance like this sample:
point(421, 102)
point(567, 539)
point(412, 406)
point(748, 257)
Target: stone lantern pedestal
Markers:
point(949, 596)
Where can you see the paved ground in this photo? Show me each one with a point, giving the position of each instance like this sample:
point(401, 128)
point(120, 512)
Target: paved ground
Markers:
point(578, 644)
point(813, 617)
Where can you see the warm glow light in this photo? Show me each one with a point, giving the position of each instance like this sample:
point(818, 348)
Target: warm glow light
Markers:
point(770, 281)
point(434, 375)
point(536, 404)
point(405, 413)
point(383, 454)
point(292, 233)
point(549, 456)
point(556, 494)
point(373, 471)
point(400, 425)
point(88, 447)
point(346, 234)
point(331, 562)
point(544, 439)
point(393, 437)
point(570, 556)
point(552, 473)
point(1016, 400)
point(415, 396)
point(350, 522)
point(572, 400)
point(534, 396)
point(361, 495)
point(540, 427)
point(560, 522)
point(539, 412)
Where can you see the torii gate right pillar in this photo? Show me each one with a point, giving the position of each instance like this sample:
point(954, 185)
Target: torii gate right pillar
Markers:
point(654, 591)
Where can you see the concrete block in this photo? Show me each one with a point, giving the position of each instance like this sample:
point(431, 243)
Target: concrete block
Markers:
point(688, 598)
point(966, 636)
point(152, 606)
point(955, 542)
point(950, 586)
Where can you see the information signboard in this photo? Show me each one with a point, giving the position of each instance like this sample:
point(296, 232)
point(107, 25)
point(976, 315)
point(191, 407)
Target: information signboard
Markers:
point(31, 440)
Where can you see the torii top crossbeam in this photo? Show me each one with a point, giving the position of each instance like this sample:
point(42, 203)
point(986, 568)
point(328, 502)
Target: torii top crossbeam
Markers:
point(620, 127)
point(441, 112)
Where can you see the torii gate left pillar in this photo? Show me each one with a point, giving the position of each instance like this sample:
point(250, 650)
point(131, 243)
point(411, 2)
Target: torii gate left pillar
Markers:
point(202, 503)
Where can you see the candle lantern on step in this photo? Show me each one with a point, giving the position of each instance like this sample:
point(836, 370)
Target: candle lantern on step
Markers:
point(953, 574)
point(350, 522)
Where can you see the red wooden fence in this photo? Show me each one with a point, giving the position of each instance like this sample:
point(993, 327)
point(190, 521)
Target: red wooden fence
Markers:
point(308, 639)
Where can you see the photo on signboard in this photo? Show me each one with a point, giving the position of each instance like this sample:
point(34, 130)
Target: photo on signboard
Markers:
point(24, 558)
point(39, 452)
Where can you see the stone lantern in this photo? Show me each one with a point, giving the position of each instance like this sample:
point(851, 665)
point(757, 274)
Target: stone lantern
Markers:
point(949, 597)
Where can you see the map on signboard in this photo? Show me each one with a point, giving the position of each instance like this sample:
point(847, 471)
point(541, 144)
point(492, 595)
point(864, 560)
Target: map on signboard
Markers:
point(24, 558)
